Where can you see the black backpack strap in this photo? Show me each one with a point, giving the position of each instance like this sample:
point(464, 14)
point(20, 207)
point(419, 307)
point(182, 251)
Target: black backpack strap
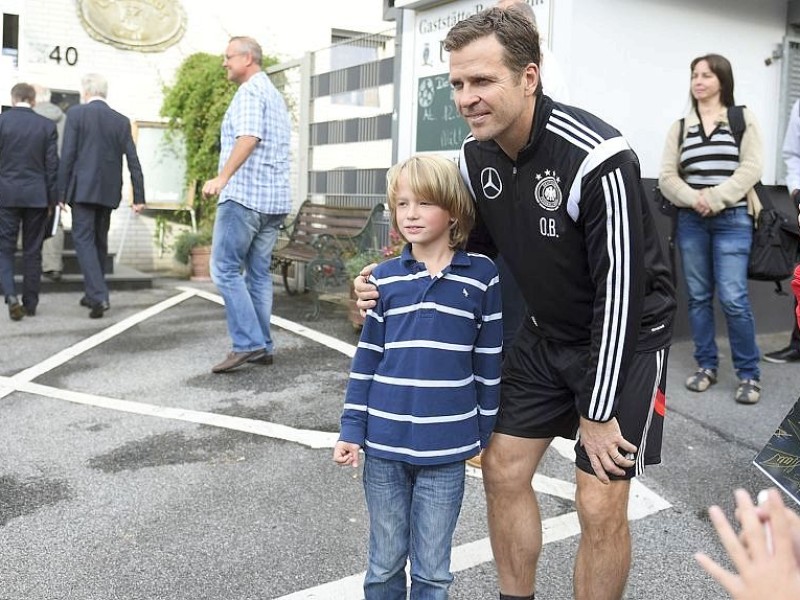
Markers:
point(673, 234)
point(736, 122)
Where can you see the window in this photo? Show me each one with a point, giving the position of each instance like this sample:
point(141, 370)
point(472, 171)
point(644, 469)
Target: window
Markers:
point(351, 49)
point(11, 36)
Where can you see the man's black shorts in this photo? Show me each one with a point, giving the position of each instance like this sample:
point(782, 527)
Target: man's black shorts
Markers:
point(540, 383)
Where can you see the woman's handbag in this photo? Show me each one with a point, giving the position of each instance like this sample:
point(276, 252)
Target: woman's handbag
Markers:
point(773, 253)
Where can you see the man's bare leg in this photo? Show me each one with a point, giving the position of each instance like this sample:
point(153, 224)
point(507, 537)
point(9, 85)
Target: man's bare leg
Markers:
point(604, 552)
point(515, 526)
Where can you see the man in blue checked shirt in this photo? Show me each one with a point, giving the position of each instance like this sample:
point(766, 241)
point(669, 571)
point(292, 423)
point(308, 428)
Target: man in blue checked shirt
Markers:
point(254, 199)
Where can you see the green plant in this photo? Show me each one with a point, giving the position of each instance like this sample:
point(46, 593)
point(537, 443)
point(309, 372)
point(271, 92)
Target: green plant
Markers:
point(355, 262)
point(187, 240)
point(195, 105)
point(361, 259)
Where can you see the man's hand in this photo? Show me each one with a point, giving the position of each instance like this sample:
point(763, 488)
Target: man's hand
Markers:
point(366, 293)
point(606, 448)
point(345, 453)
point(213, 187)
point(137, 208)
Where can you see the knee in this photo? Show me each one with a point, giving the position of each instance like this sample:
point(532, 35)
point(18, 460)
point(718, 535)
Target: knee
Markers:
point(735, 305)
point(501, 474)
point(601, 516)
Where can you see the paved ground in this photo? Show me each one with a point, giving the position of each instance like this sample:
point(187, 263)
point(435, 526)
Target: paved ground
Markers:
point(128, 470)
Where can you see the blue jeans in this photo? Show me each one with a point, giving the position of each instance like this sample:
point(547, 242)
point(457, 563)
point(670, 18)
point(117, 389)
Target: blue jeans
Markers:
point(244, 239)
point(714, 253)
point(412, 514)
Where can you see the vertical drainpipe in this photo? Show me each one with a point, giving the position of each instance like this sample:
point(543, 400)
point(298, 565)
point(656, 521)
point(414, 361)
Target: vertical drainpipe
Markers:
point(398, 54)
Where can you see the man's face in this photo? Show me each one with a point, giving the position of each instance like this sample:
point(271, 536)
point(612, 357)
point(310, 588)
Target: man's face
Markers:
point(496, 103)
point(236, 63)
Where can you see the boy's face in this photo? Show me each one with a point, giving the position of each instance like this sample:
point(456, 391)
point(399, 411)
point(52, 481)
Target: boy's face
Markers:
point(420, 221)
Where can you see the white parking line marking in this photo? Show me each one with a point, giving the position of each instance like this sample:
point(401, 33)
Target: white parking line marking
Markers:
point(291, 326)
point(106, 334)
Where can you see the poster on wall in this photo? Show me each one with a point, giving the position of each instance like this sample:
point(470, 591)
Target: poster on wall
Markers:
point(437, 124)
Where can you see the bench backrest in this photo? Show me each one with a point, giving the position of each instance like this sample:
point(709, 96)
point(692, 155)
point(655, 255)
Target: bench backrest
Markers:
point(344, 223)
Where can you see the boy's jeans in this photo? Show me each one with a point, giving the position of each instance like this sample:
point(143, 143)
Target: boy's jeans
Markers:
point(412, 513)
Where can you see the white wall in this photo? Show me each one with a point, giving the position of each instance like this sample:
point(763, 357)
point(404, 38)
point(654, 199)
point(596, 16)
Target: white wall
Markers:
point(284, 29)
point(628, 62)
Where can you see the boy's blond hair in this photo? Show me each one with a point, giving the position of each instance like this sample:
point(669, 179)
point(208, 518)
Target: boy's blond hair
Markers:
point(437, 180)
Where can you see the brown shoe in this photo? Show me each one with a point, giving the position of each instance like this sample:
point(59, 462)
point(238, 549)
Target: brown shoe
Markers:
point(263, 359)
point(475, 461)
point(237, 359)
point(15, 309)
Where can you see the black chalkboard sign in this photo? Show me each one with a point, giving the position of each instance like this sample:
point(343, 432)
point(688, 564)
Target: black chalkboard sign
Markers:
point(439, 126)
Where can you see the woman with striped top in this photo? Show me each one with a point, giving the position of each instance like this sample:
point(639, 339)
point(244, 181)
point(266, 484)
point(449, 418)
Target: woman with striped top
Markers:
point(710, 179)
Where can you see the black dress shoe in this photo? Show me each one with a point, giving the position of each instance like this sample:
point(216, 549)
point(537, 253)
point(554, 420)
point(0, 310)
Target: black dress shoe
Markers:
point(30, 311)
point(53, 275)
point(98, 310)
point(782, 356)
point(84, 301)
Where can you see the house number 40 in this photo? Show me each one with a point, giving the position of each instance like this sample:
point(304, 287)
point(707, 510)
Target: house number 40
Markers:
point(70, 55)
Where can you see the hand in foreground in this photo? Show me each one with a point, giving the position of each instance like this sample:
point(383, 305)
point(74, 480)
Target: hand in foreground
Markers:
point(606, 448)
point(137, 208)
point(345, 453)
point(763, 572)
point(365, 292)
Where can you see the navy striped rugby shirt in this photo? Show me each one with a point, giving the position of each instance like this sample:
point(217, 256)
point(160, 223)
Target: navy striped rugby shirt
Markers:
point(425, 381)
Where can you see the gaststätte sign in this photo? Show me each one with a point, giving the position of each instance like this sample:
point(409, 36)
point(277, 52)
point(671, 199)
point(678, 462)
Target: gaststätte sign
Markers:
point(143, 25)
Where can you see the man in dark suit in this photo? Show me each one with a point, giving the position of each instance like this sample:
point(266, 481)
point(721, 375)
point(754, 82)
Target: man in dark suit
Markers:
point(28, 172)
point(96, 137)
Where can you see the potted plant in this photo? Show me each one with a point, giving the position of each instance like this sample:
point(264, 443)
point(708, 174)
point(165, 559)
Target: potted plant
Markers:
point(194, 248)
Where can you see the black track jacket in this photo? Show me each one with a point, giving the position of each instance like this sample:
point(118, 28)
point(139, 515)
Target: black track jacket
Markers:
point(570, 219)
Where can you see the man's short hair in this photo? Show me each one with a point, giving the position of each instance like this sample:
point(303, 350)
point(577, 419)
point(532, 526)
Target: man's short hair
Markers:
point(515, 32)
point(248, 44)
point(23, 92)
point(94, 84)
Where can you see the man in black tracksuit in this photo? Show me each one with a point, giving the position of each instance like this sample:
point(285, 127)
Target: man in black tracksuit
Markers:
point(559, 195)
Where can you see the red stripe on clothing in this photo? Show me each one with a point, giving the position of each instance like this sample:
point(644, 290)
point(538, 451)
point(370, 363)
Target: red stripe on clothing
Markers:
point(661, 403)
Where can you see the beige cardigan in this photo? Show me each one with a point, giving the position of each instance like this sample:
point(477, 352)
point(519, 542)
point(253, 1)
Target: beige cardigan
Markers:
point(732, 190)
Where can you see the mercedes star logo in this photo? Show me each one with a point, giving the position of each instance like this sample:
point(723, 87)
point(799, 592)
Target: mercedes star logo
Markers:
point(491, 184)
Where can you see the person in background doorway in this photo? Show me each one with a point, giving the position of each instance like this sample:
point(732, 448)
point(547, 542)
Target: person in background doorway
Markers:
point(555, 86)
point(425, 381)
point(96, 137)
point(710, 179)
point(254, 199)
point(791, 157)
point(53, 247)
point(28, 172)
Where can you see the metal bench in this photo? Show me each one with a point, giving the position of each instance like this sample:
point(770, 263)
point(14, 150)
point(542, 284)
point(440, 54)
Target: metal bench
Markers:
point(320, 238)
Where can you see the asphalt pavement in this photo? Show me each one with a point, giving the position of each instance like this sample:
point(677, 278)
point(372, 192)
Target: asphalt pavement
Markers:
point(129, 471)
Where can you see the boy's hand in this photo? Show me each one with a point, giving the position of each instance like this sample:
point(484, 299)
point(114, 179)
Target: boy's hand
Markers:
point(366, 293)
point(345, 453)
